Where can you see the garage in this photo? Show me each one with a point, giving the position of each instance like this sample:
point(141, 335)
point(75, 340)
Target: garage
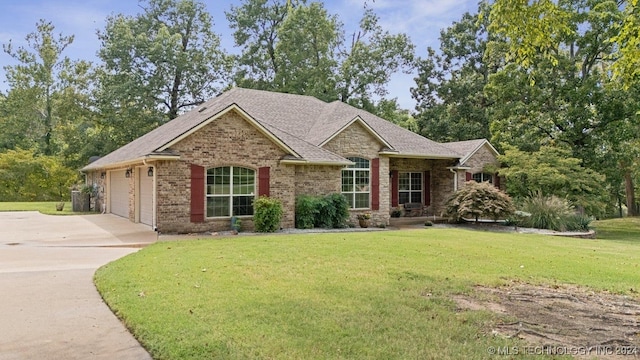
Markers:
point(145, 196)
point(119, 193)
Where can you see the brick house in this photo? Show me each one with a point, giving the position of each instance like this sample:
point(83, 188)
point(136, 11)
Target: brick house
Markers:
point(195, 172)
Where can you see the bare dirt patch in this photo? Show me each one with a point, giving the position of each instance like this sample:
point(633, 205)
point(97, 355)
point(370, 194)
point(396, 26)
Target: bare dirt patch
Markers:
point(593, 324)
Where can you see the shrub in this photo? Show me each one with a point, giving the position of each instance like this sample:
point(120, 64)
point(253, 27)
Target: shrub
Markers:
point(331, 211)
point(341, 212)
point(307, 209)
point(553, 171)
point(267, 214)
point(548, 212)
point(326, 213)
point(479, 200)
point(579, 222)
point(27, 176)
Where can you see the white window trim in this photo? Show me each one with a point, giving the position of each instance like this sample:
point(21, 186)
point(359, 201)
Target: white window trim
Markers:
point(483, 177)
point(230, 195)
point(355, 191)
point(410, 191)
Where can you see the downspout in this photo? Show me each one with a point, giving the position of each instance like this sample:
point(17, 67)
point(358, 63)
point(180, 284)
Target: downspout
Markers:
point(455, 179)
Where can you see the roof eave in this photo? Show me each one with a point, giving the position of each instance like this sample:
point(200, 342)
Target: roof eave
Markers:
point(365, 125)
point(312, 162)
point(420, 156)
point(242, 113)
point(143, 159)
point(471, 153)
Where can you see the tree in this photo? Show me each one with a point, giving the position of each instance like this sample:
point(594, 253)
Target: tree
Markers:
point(157, 64)
point(479, 200)
point(552, 171)
point(627, 65)
point(373, 56)
point(451, 103)
point(391, 111)
point(292, 46)
point(27, 176)
point(308, 37)
point(537, 27)
point(255, 24)
point(565, 51)
point(33, 108)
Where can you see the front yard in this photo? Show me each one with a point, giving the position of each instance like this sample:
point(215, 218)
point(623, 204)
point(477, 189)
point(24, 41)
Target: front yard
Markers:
point(380, 295)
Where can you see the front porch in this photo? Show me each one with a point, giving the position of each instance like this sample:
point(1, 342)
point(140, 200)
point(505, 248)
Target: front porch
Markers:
point(410, 221)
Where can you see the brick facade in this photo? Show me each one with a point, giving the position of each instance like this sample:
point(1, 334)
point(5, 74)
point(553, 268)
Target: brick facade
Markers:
point(483, 157)
point(233, 141)
point(317, 180)
point(357, 141)
point(228, 141)
point(441, 180)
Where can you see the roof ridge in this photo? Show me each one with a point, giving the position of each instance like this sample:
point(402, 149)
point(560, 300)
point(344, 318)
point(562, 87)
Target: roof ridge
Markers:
point(297, 137)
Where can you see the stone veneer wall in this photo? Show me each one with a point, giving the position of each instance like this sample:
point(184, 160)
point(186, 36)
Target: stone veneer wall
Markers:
point(357, 141)
point(227, 141)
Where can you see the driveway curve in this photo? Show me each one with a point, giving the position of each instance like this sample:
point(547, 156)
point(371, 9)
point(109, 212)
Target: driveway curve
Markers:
point(49, 307)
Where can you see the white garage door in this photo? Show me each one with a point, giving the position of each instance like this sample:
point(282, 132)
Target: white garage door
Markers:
point(145, 201)
point(119, 194)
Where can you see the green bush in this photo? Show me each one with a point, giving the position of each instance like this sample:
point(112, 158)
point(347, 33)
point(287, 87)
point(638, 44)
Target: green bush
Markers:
point(340, 210)
point(479, 200)
point(27, 176)
point(330, 211)
point(548, 212)
point(307, 209)
point(579, 222)
point(267, 213)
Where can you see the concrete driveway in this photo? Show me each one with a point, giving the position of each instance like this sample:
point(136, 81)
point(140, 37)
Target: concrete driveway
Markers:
point(49, 307)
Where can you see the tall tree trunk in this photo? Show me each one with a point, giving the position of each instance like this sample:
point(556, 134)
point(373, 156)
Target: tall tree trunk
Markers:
point(631, 196)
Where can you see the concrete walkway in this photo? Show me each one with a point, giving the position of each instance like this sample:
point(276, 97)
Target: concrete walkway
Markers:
point(49, 307)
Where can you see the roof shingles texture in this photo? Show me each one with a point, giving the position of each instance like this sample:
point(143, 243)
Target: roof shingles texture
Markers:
point(302, 123)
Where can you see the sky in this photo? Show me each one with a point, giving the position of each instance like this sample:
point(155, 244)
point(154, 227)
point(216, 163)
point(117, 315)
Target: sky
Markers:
point(422, 20)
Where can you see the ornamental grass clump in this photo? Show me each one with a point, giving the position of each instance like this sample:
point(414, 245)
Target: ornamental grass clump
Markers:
point(553, 213)
point(479, 200)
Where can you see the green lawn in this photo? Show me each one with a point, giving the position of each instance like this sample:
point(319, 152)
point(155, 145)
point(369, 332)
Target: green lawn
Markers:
point(624, 229)
point(48, 208)
point(379, 295)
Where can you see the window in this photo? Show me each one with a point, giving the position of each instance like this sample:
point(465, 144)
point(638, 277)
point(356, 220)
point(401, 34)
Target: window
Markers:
point(480, 177)
point(355, 183)
point(230, 191)
point(409, 187)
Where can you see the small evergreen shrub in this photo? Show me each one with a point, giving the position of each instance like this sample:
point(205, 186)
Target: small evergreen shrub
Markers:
point(330, 211)
point(428, 223)
point(341, 210)
point(479, 200)
point(267, 213)
point(326, 213)
point(307, 208)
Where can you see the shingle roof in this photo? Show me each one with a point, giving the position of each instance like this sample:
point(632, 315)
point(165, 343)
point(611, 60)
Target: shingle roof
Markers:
point(302, 123)
point(468, 147)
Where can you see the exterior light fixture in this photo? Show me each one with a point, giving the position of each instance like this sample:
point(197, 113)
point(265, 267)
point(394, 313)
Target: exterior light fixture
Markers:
point(127, 174)
point(150, 171)
point(102, 175)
